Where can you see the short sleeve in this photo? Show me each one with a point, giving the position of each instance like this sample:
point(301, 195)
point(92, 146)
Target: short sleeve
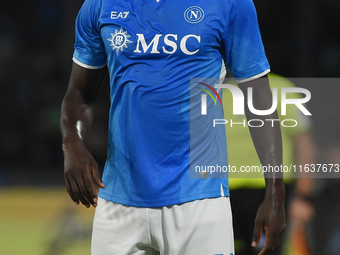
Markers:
point(244, 51)
point(89, 46)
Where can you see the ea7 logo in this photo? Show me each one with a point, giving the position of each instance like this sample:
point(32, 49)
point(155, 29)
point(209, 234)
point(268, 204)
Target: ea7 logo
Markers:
point(170, 40)
point(119, 15)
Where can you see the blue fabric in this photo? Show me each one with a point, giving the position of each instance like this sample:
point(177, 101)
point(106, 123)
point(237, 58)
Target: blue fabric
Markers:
point(152, 50)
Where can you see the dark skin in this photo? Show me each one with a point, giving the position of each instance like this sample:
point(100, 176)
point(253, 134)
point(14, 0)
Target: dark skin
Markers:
point(267, 141)
point(80, 169)
point(82, 173)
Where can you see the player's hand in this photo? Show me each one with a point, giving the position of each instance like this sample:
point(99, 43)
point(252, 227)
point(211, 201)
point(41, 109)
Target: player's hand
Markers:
point(270, 217)
point(81, 173)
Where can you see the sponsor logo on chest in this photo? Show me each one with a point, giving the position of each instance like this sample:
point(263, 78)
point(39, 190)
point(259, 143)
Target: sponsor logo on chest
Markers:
point(171, 43)
point(158, 43)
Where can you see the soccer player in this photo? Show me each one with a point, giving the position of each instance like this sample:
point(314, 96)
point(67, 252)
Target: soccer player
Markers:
point(149, 202)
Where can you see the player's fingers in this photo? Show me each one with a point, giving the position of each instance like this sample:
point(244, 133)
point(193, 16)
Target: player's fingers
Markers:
point(96, 175)
point(91, 195)
point(277, 238)
point(257, 232)
point(267, 245)
point(272, 242)
point(70, 192)
point(79, 191)
point(264, 251)
point(74, 189)
point(267, 250)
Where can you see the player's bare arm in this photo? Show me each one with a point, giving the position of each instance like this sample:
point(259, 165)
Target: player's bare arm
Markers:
point(81, 170)
point(267, 141)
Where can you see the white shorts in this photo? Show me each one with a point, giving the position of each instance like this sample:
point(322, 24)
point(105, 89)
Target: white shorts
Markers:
point(201, 227)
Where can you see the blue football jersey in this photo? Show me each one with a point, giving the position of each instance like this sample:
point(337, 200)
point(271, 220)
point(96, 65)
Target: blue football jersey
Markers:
point(152, 50)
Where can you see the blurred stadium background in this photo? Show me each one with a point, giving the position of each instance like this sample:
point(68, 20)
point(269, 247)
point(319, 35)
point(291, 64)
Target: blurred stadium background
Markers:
point(302, 39)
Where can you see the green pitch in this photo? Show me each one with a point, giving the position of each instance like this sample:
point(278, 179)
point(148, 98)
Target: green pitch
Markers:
point(43, 222)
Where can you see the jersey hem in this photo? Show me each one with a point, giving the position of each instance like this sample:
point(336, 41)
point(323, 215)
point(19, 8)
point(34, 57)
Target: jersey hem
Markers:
point(162, 203)
point(253, 77)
